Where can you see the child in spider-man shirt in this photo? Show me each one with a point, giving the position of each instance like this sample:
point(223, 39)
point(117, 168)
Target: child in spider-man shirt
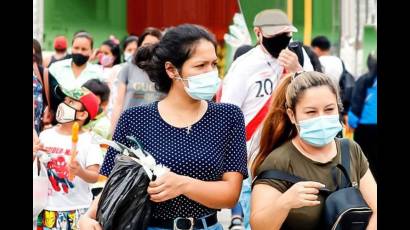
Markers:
point(69, 198)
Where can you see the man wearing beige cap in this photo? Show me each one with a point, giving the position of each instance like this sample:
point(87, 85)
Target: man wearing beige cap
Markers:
point(253, 77)
point(274, 32)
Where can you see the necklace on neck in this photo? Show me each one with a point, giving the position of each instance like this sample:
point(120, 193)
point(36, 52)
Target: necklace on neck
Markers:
point(188, 129)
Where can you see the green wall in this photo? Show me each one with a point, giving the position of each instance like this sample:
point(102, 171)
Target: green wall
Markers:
point(250, 8)
point(325, 16)
point(326, 20)
point(99, 17)
point(369, 43)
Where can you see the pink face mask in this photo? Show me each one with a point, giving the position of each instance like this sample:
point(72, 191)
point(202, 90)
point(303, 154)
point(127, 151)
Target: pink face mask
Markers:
point(105, 60)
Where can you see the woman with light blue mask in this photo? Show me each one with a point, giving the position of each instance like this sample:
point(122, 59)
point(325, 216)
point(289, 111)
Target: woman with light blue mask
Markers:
point(201, 142)
point(299, 138)
point(129, 47)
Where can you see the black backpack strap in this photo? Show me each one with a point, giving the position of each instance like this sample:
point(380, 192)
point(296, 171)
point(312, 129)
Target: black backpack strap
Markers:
point(345, 154)
point(343, 65)
point(345, 166)
point(279, 175)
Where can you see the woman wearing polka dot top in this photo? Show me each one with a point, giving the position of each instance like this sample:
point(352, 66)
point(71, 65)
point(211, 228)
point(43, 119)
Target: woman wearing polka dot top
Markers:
point(203, 143)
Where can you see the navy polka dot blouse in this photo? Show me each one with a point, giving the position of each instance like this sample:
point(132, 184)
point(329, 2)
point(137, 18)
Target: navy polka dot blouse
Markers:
point(215, 144)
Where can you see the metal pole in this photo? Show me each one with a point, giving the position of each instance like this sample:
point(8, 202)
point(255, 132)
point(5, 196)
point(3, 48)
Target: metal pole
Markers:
point(308, 22)
point(290, 10)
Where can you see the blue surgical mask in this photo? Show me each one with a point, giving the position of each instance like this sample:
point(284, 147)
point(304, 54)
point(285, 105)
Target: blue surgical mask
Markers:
point(202, 86)
point(319, 131)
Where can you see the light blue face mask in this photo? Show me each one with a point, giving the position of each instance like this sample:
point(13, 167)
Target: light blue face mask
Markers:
point(319, 131)
point(202, 86)
point(128, 56)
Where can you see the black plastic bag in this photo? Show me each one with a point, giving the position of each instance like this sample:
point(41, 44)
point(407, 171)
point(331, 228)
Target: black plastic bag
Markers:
point(124, 202)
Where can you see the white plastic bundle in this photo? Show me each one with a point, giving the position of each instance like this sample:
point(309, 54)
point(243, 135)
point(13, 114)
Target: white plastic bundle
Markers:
point(238, 32)
point(145, 159)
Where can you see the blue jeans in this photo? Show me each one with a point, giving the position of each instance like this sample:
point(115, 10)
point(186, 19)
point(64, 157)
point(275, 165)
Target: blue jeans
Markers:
point(245, 201)
point(217, 226)
point(237, 210)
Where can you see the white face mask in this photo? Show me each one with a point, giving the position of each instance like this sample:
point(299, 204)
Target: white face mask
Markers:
point(128, 56)
point(65, 113)
point(202, 86)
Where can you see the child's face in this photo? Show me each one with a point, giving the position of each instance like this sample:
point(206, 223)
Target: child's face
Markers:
point(73, 103)
point(81, 113)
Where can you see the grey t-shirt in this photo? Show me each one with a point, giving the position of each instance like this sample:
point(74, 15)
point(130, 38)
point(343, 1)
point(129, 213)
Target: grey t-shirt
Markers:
point(140, 89)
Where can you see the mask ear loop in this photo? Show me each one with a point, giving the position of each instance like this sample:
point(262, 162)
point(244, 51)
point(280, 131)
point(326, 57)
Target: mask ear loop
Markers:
point(182, 79)
point(76, 110)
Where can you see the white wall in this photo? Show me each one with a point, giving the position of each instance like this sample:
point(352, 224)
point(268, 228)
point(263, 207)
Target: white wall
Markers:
point(355, 15)
point(38, 20)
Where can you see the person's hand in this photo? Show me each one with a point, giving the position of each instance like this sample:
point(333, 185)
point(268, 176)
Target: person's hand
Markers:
point(349, 130)
point(37, 146)
point(75, 168)
point(36, 142)
point(166, 187)
point(302, 194)
point(94, 55)
point(289, 60)
point(87, 223)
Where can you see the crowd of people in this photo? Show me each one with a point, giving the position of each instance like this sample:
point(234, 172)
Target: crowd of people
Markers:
point(276, 109)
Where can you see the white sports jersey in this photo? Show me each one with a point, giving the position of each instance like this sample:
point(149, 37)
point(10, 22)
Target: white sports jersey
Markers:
point(332, 66)
point(250, 82)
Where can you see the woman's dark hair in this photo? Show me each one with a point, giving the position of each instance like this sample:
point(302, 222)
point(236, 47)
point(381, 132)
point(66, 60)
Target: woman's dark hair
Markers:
point(99, 88)
point(128, 40)
point(314, 59)
point(149, 31)
point(176, 46)
point(38, 57)
point(83, 34)
point(115, 50)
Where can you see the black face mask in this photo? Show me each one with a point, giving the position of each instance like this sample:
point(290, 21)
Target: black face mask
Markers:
point(276, 44)
point(79, 59)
